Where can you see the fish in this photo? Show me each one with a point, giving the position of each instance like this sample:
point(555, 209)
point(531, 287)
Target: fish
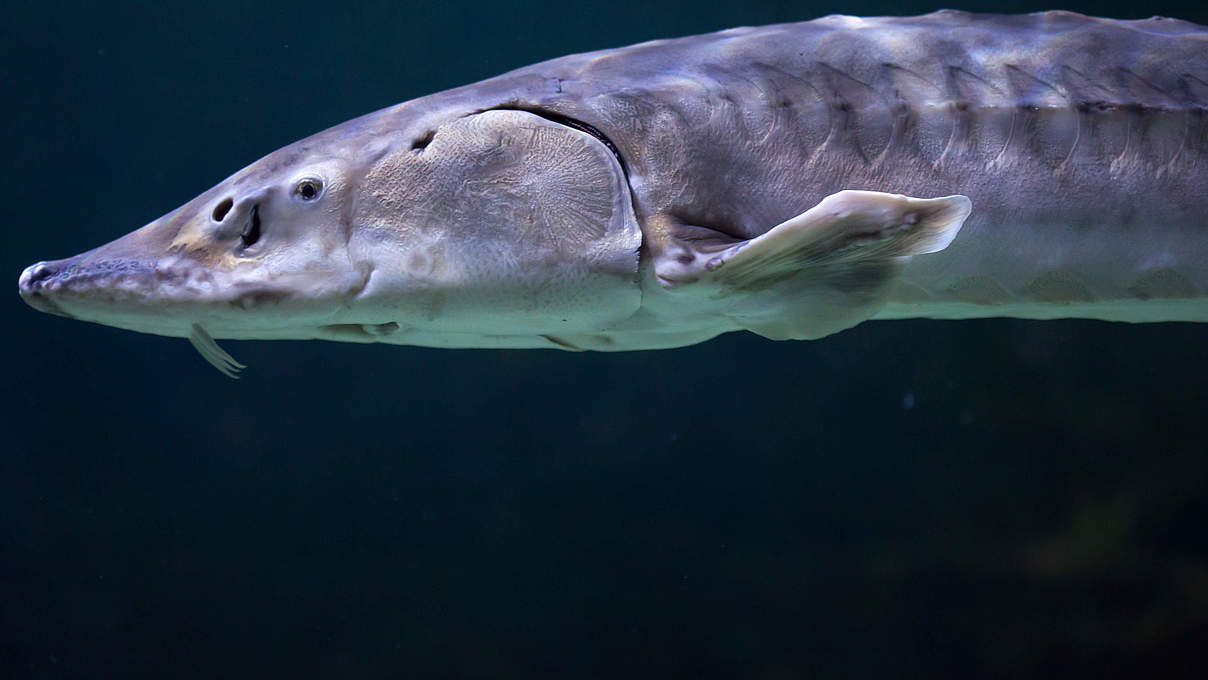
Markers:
point(790, 180)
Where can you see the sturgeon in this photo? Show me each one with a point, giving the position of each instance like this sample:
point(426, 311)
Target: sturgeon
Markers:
point(791, 180)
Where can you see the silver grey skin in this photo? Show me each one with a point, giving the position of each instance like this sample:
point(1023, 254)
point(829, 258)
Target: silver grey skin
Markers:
point(792, 180)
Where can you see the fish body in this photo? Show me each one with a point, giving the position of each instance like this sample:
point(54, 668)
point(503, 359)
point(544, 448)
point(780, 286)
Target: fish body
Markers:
point(792, 180)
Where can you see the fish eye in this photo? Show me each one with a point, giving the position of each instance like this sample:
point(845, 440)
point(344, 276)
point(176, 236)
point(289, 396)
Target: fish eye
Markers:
point(308, 189)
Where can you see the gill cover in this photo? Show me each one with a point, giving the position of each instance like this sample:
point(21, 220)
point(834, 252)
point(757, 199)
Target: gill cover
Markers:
point(502, 212)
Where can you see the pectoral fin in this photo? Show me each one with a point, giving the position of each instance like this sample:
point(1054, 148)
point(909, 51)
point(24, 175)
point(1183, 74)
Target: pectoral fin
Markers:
point(826, 269)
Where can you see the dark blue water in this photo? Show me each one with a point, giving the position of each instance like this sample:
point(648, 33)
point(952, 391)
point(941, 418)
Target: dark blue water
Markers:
point(919, 498)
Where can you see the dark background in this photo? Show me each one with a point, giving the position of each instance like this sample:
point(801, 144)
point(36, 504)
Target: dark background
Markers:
point(918, 498)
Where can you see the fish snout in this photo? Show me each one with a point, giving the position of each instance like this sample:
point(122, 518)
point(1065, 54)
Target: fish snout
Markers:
point(32, 287)
point(35, 274)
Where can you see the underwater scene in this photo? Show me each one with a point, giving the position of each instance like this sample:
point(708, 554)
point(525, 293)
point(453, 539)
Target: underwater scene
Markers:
point(741, 356)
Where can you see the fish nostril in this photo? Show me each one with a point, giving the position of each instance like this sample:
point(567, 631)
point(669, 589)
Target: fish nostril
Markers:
point(221, 210)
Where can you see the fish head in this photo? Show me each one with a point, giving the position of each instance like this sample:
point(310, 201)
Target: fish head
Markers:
point(463, 230)
point(262, 254)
